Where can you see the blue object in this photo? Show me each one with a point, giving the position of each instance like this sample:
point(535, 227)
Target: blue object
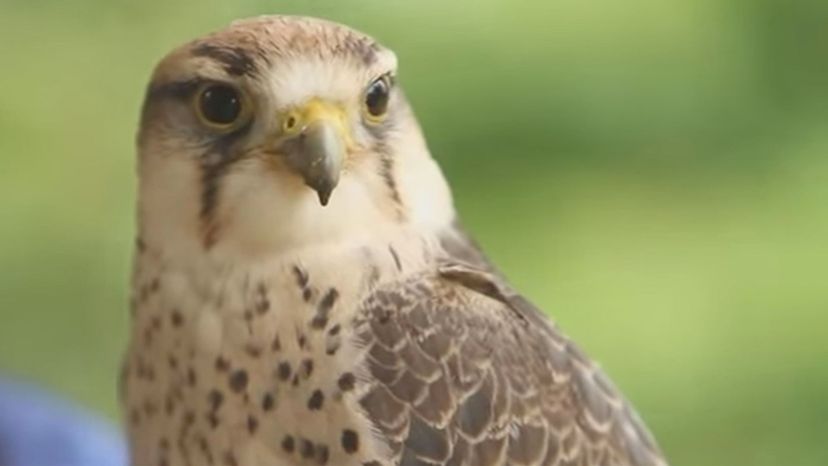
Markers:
point(38, 428)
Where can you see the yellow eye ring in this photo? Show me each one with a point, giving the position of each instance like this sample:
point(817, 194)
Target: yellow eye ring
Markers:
point(376, 99)
point(221, 107)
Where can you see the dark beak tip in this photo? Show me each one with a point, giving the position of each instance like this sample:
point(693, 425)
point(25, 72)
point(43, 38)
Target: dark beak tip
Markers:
point(324, 196)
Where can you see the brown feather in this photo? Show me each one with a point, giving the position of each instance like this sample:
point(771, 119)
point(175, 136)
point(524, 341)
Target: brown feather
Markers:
point(510, 388)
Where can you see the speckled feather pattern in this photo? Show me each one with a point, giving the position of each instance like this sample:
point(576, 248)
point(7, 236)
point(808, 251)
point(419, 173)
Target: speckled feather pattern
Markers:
point(252, 366)
point(464, 375)
point(358, 334)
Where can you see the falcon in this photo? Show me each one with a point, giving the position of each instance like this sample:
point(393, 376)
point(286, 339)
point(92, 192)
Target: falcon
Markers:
point(304, 294)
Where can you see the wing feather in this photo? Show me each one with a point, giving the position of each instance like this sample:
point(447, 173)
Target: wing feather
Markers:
point(463, 371)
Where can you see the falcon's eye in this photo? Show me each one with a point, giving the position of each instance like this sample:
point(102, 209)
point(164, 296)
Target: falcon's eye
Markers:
point(220, 106)
point(376, 98)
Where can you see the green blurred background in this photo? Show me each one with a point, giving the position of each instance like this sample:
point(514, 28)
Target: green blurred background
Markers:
point(652, 172)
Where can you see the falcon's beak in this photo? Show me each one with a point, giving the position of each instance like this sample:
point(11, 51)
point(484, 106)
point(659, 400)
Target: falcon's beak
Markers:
point(314, 143)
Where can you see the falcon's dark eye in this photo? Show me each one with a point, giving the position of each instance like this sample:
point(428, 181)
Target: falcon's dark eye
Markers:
point(376, 98)
point(220, 106)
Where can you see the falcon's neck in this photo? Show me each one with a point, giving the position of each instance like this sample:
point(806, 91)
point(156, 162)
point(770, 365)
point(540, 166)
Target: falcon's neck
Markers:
point(384, 255)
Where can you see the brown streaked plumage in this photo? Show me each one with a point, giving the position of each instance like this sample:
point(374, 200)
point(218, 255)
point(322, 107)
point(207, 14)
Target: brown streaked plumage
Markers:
point(480, 377)
point(304, 294)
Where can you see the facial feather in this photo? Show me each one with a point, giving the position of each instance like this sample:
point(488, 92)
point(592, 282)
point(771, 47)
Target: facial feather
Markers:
point(227, 194)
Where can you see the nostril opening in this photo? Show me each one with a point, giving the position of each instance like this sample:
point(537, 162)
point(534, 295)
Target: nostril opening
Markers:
point(290, 122)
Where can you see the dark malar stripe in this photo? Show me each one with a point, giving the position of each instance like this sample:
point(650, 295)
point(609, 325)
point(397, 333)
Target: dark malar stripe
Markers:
point(216, 163)
point(387, 173)
point(211, 175)
point(397, 111)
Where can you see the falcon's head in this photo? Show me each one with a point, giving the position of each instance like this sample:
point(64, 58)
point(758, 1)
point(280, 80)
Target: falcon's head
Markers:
point(277, 133)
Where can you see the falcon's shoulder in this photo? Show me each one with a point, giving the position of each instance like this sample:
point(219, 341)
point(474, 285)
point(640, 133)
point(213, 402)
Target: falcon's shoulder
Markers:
point(462, 371)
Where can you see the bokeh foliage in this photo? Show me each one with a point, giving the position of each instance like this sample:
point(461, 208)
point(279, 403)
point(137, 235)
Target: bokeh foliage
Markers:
point(652, 172)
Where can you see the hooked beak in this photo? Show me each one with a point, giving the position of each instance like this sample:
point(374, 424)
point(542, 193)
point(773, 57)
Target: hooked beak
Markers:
point(314, 145)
